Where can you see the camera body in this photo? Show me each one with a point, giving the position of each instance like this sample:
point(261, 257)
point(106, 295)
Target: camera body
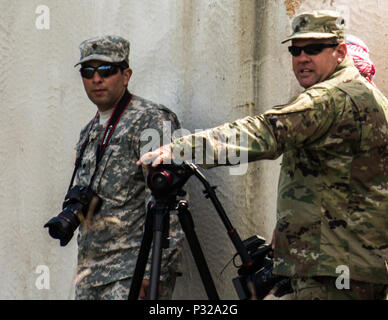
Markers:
point(77, 202)
point(260, 274)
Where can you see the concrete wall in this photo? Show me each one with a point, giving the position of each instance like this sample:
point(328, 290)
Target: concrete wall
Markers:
point(210, 61)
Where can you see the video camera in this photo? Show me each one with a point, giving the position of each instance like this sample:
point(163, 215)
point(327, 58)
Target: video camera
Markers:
point(260, 274)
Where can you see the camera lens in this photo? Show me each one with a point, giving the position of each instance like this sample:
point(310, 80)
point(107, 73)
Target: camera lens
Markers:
point(60, 229)
point(62, 226)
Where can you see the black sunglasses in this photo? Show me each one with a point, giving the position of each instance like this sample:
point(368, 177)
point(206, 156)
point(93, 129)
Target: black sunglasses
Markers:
point(311, 49)
point(105, 70)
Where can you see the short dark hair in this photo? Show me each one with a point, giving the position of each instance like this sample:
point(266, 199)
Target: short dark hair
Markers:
point(334, 40)
point(123, 65)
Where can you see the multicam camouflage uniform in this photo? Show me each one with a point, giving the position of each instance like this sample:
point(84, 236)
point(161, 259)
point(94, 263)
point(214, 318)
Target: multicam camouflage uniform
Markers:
point(332, 204)
point(109, 242)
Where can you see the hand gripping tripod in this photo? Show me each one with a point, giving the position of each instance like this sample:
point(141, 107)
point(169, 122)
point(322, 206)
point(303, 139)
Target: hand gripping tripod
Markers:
point(166, 182)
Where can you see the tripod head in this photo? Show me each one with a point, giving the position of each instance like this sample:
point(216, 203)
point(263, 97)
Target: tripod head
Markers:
point(167, 180)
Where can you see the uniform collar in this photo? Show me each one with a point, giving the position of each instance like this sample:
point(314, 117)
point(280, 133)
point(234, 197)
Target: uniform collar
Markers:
point(345, 67)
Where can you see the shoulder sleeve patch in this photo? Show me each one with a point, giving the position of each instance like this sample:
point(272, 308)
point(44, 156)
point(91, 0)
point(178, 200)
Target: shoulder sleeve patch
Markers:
point(302, 103)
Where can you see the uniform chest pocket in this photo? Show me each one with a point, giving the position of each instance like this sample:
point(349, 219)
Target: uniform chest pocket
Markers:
point(87, 165)
point(114, 177)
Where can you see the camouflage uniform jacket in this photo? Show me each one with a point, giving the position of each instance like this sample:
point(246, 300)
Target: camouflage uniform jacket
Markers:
point(333, 186)
point(109, 245)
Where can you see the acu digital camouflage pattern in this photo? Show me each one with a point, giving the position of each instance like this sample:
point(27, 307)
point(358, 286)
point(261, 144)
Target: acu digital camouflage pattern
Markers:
point(112, 49)
point(118, 290)
point(323, 24)
point(109, 244)
point(333, 187)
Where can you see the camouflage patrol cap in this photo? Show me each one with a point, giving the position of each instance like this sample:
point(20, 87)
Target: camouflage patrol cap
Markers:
point(318, 24)
point(105, 48)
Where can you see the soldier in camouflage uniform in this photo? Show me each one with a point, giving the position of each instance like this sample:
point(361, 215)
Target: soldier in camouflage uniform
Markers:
point(109, 241)
point(332, 209)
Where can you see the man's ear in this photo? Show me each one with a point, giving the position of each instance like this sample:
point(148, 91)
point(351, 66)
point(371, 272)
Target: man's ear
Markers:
point(127, 73)
point(342, 51)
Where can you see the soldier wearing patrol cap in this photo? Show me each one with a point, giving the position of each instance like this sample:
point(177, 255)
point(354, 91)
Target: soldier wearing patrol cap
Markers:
point(109, 241)
point(331, 234)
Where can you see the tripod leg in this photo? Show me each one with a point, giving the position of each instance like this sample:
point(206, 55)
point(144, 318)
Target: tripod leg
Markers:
point(187, 223)
point(142, 258)
point(160, 222)
point(155, 265)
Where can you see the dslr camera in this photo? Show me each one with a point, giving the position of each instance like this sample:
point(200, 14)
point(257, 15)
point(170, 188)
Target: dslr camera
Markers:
point(79, 201)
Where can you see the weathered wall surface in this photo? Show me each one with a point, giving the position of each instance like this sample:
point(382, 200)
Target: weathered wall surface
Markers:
point(210, 61)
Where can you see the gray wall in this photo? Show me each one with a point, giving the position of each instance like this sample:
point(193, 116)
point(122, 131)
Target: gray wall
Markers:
point(210, 61)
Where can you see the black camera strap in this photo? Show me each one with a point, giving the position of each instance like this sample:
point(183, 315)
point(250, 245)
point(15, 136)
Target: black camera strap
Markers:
point(110, 127)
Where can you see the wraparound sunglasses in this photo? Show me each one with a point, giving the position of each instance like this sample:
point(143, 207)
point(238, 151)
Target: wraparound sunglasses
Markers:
point(310, 49)
point(105, 70)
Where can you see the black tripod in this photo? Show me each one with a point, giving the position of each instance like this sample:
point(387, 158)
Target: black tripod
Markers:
point(156, 226)
point(166, 184)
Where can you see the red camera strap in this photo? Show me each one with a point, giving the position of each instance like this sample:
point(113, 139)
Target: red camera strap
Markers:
point(112, 123)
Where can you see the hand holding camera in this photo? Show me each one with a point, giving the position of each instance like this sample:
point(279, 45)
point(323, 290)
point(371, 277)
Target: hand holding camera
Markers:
point(80, 203)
